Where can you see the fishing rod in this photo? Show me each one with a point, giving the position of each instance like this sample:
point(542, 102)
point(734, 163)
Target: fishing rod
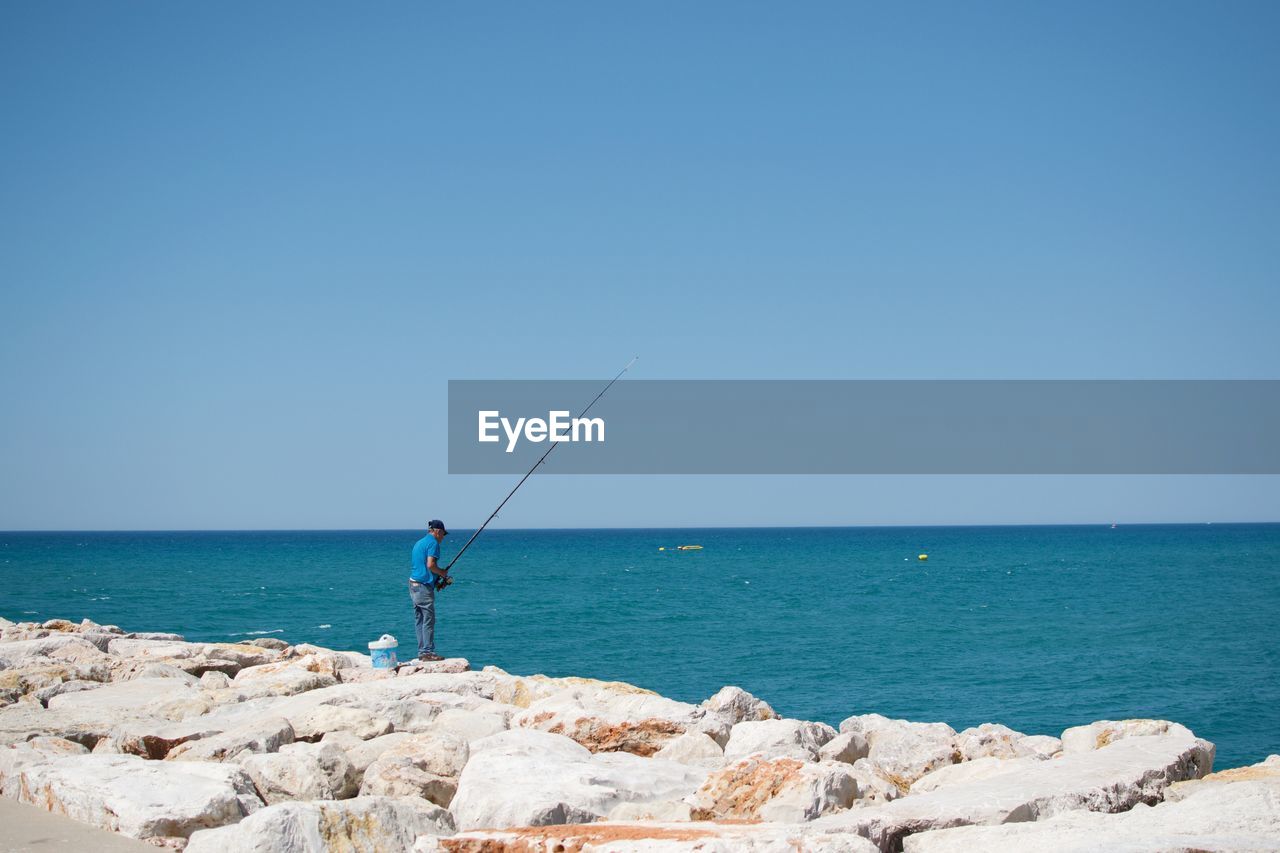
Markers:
point(441, 583)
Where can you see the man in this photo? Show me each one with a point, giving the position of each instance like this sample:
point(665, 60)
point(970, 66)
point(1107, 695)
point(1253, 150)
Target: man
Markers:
point(424, 573)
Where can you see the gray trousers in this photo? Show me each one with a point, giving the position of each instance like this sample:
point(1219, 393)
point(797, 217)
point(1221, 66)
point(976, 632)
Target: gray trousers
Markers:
point(424, 616)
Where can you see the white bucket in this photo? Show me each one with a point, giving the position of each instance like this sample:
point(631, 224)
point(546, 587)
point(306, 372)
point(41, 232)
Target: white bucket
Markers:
point(383, 651)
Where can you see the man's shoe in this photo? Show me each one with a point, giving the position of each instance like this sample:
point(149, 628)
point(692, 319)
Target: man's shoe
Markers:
point(429, 657)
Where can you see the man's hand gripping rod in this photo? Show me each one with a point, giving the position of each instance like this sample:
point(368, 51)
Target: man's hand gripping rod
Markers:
point(443, 582)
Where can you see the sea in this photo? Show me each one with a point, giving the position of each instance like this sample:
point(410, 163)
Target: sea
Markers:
point(1036, 627)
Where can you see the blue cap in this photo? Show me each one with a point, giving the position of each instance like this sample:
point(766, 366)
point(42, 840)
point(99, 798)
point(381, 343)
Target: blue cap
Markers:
point(436, 524)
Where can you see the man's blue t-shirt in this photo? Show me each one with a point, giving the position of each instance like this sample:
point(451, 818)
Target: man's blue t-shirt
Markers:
point(425, 547)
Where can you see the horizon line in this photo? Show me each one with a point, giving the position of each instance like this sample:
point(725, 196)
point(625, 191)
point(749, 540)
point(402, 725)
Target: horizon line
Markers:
point(975, 524)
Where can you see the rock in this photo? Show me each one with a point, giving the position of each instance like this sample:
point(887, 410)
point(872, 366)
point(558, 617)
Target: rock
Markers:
point(415, 667)
point(996, 741)
point(153, 739)
point(286, 682)
point(523, 691)
point(737, 705)
point(86, 726)
point(313, 724)
point(62, 648)
point(1099, 734)
point(321, 664)
point(138, 798)
point(155, 669)
point(1112, 779)
point(245, 654)
point(1236, 810)
point(847, 747)
point(873, 787)
point(782, 790)
point(363, 824)
point(360, 675)
point(43, 696)
point(59, 625)
point(425, 765)
point(903, 751)
point(135, 646)
point(969, 771)
point(259, 735)
point(364, 752)
point(666, 811)
point(605, 720)
point(156, 635)
point(470, 725)
point(797, 739)
point(697, 749)
point(140, 696)
point(15, 757)
point(44, 677)
point(301, 771)
point(271, 643)
point(524, 777)
point(215, 680)
point(673, 837)
point(100, 639)
point(1267, 771)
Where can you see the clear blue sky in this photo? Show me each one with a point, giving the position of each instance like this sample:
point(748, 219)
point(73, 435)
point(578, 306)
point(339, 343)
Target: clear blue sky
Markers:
point(245, 245)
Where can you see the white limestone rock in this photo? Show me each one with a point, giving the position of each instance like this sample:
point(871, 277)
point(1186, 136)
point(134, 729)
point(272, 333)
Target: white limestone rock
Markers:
point(363, 753)
point(739, 706)
point(448, 665)
point(997, 741)
point(139, 798)
point(381, 824)
point(424, 765)
point(524, 777)
point(63, 648)
point(140, 696)
point(904, 751)
point(1115, 778)
point(319, 664)
point(697, 749)
point(873, 786)
point(666, 811)
point(153, 739)
point(798, 739)
point(848, 747)
point(258, 735)
point(1236, 810)
point(215, 680)
point(969, 771)
point(608, 719)
point(652, 837)
point(17, 756)
point(1267, 772)
point(1099, 734)
point(301, 771)
point(471, 725)
point(780, 790)
point(317, 722)
point(157, 669)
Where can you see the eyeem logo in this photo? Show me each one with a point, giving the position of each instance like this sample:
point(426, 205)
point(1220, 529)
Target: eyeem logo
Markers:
point(558, 426)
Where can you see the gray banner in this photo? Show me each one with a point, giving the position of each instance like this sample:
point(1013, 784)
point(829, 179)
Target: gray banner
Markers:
point(869, 427)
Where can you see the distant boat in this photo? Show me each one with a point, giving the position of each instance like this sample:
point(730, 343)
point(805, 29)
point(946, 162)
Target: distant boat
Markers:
point(689, 547)
point(1113, 525)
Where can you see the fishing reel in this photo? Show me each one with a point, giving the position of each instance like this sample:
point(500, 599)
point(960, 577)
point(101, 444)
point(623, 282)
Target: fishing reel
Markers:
point(442, 582)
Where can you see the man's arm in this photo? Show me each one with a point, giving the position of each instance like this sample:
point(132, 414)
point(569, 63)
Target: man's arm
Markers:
point(433, 566)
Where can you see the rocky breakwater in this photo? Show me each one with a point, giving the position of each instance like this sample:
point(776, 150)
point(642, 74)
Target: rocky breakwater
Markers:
point(274, 747)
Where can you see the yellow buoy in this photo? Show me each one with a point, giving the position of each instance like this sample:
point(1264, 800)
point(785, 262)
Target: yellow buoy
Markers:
point(660, 548)
point(923, 557)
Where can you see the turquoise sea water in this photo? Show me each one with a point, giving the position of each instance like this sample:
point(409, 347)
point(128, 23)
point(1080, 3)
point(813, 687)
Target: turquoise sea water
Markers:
point(1039, 628)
